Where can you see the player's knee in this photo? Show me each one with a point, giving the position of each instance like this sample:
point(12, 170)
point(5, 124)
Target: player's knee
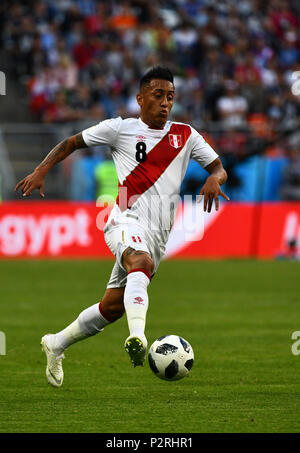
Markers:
point(143, 261)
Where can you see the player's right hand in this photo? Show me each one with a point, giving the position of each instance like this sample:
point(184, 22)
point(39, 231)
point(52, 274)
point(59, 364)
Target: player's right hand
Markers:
point(33, 181)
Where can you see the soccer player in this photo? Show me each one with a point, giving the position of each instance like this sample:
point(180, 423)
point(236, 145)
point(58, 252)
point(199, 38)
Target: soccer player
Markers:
point(151, 155)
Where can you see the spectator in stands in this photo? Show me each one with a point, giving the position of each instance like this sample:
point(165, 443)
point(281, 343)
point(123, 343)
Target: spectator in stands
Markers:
point(241, 43)
point(66, 72)
point(83, 183)
point(106, 179)
point(232, 149)
point(85, 50)
point(94, 23)
point(283, 18)
point(124, 18)
point(232, 106)
point(58, 110)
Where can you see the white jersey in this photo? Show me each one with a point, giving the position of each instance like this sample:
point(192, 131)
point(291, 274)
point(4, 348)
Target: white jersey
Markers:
point(151, 165)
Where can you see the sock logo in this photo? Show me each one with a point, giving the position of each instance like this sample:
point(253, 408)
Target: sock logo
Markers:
point(139, 300)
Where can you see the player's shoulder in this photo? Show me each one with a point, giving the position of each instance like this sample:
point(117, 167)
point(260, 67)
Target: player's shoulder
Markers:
point(131, 122)
point(125, 124)
point(184, 126)
point(178, 123)
point(118, 125)
point(113, 123)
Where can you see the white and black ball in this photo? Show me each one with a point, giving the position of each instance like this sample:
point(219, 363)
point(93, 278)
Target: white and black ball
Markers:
point(171, 357)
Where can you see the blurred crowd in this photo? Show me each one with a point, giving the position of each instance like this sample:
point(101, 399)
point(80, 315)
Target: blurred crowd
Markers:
point(235, 64)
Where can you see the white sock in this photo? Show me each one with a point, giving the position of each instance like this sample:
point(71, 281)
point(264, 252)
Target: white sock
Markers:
point(88, 323)
point(136, 302)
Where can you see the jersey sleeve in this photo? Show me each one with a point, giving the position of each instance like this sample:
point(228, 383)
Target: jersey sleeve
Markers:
point(103, 133)
point(202, 152)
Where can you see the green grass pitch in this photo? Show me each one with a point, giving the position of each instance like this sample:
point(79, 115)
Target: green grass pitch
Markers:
point(238, 315)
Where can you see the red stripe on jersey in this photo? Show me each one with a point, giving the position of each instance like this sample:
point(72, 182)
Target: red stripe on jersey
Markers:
point(145, 174)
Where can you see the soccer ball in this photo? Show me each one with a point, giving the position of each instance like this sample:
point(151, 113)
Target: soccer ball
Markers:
point(171, 357)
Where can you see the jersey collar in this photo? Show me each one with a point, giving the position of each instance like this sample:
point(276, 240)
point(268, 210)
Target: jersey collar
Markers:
point(145, 126)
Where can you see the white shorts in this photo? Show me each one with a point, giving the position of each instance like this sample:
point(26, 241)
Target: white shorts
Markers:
point(124, 232)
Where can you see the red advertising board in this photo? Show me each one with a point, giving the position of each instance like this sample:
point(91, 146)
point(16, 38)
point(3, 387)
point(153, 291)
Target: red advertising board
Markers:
point(67, 229)
point(227, 233)
point(45, 229)
point(279, 224)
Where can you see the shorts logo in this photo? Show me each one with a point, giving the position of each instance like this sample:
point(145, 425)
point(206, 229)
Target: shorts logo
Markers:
point(175, 140)
point(136, 239)
point(138, 300)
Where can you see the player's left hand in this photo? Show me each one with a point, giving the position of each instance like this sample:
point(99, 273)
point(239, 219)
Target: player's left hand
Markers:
point(211, 191)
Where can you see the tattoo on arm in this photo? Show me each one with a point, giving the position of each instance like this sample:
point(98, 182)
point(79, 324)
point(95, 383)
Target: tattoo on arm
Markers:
point(63, 150)
point(79, 141)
